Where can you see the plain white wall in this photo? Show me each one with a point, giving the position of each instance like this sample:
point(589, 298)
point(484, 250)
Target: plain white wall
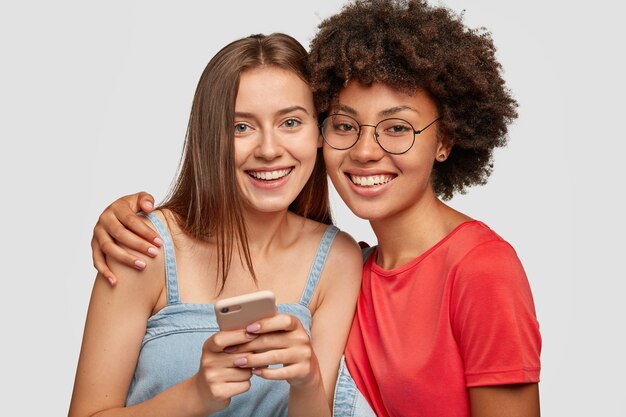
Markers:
point(94, 100)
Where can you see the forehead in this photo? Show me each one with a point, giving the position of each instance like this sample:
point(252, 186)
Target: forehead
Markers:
point(366, 99)
point(268, 87)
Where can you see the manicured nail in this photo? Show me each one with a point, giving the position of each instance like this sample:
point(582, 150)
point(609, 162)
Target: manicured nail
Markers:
point(152, 251)
point(254, 327)
point(240, 361)
point(257, 371)
point(158, 241)
point(148, 204)
point(140, 264)
point(230, 349)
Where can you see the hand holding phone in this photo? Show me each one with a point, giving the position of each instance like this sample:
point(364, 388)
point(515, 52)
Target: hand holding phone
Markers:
point(238, 312)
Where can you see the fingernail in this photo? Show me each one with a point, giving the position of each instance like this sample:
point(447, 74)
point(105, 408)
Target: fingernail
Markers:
point(240, 361)
point(153, 251)
point(254, 327)
point(230, 349)
point(111, 280)
point(256, 371)
point(148, 204)
point(140, 264)
point(158, 241)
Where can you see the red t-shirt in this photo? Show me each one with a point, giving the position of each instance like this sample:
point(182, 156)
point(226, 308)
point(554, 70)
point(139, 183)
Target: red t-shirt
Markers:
point(460, 315)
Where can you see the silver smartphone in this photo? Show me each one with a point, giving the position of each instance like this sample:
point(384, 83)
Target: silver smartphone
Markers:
point(238, 312)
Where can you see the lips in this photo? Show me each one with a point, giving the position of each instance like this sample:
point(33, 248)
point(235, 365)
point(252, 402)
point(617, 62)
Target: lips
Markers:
point(370, 180)
point(266, 175)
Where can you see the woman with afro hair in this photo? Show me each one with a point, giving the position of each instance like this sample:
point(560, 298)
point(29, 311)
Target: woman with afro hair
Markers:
point(411, 105)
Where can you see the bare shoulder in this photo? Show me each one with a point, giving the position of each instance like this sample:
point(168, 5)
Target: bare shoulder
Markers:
point(311, 229)
point(145, 285)
point(343, 268)
point(345, 248)
point(345, 255)
point(339, 286)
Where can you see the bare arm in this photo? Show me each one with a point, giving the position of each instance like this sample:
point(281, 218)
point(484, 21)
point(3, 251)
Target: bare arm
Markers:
point(120, 224)
point(311, 365)
point(115, 327)
point(339, 289)
point(519, 400)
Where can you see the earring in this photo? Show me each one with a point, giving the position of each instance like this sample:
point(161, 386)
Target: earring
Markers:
point(441, 157)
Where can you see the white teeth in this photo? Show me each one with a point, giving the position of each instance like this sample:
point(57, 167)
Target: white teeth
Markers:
point(269, 175)
point(371, 180)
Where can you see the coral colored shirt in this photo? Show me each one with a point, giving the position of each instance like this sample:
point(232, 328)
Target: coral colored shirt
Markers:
point(460, 315)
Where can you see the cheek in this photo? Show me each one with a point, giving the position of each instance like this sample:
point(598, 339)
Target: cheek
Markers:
point(420, 159)
point(239, 150)
point(306, 148)
point(331, 158)
point(418, 171)
point(243, 150)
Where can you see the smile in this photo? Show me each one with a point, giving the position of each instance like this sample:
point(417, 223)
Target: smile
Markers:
point(269, 175)
point(370, 180)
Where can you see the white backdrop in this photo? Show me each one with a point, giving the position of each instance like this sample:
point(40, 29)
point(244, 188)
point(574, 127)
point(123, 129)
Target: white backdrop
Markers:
point(94, 100)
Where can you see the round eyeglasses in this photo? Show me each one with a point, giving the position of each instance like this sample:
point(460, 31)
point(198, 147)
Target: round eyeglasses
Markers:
point(394, 136)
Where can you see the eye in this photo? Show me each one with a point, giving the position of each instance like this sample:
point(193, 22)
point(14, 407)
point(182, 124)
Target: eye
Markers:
point(398, 129)
point(395, 127)
point(241, 128)
point(341, 125)
point(344, 127)
point(292, 123)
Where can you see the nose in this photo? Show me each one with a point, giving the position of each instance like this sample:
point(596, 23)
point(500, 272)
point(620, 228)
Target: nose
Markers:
point(269, 146)
point(366, 149)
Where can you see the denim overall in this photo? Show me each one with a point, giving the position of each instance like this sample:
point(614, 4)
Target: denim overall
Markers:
point(172, 347)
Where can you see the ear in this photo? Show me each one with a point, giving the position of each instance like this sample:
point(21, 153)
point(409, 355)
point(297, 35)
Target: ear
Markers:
point(320, 140)
point(444, 148)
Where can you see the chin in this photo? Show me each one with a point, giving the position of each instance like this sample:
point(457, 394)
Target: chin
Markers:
point(368, 213)
point(265, 206)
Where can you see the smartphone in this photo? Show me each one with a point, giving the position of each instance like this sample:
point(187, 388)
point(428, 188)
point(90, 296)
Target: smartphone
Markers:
point(238, 312)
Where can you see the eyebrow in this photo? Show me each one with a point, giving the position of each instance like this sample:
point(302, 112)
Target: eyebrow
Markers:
point(387, 112)
point(291, 109)
point(397, 109)
point(346, 109)
point(280, 112)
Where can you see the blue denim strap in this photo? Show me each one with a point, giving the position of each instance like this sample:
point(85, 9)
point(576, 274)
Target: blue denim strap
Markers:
point(318, 265)
point(171, 276)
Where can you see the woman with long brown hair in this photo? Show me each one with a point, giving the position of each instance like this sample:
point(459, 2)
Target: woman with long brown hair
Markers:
point(249, 210)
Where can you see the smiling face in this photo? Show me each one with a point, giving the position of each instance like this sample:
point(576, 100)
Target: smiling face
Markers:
point(276, 137)
point(373, 183)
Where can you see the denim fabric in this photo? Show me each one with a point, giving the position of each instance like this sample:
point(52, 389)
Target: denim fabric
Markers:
point(349, 402)
point(172, 346)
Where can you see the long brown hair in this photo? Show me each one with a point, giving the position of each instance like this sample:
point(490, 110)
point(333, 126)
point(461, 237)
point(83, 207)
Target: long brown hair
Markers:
point(205, 198)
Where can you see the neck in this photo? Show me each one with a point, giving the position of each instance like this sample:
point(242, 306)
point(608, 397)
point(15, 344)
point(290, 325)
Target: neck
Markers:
point(265, 230)
point(404, 236)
